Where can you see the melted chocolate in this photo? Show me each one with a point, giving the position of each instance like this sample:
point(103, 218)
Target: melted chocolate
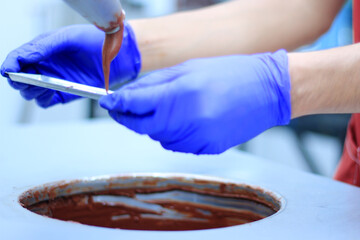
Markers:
point(111, 47)
point(82, 208)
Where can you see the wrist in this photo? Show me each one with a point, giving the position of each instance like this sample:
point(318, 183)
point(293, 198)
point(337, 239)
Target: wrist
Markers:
point(155, 37)
point(308, 89)
point(299, 91)
point(325, 81)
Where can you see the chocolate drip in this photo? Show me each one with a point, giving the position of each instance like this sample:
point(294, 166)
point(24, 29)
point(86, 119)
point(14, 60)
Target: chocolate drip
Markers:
point(111, 47)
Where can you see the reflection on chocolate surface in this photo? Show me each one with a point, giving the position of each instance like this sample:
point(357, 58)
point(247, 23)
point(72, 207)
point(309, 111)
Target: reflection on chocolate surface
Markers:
point(155, 204)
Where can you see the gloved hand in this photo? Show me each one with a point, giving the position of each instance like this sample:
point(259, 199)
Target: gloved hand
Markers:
point(72, 53)
point(206, 106)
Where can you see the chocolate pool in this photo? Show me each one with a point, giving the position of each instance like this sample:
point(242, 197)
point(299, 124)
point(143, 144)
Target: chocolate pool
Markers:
point(153, 202)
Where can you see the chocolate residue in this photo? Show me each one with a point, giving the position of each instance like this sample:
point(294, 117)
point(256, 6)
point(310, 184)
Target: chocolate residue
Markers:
point(111, 47)
point(82, 208)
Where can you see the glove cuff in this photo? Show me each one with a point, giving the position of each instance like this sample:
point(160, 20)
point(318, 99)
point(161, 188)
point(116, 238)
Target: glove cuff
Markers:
point(279, 65)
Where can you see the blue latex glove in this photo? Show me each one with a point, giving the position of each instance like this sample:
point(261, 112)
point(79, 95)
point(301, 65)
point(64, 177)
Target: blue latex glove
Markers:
point(206, 106)
point(72, 53)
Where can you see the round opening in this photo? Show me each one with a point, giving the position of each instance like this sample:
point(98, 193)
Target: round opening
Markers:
point(152, 202)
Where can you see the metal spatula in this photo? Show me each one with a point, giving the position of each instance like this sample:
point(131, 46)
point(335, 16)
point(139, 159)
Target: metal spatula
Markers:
point(59, 85)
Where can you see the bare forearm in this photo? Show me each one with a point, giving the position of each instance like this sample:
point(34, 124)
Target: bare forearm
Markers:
point(326, 81)
point(236, 27)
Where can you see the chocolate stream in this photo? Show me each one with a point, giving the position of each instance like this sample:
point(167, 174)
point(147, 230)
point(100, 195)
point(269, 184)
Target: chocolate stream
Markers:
point(111, 47)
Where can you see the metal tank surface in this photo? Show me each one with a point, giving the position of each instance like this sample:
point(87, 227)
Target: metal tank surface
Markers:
point(309, 206)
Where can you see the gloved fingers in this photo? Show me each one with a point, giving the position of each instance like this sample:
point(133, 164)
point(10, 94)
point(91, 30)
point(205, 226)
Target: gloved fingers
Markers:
point(17, 85)
point(14, 62)
point(51, 98)
point(176, 147)
point(40, 50)
point(139, 124)
point(56, 99)
point(192, 143)
point(156, 78)
point(29, 92)
point(10, 64)
point(186, 140)
point(189, 146)
point(32, 52)
point(44, 100)
point(186, 145)
point(32, 92)
point(67, 97)
point(140, 101)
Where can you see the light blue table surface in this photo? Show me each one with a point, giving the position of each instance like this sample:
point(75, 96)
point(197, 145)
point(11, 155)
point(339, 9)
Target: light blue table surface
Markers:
point(316, 207)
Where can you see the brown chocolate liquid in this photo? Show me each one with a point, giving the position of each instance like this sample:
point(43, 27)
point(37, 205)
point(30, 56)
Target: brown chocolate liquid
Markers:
point(111, 48)
point(82, 209)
